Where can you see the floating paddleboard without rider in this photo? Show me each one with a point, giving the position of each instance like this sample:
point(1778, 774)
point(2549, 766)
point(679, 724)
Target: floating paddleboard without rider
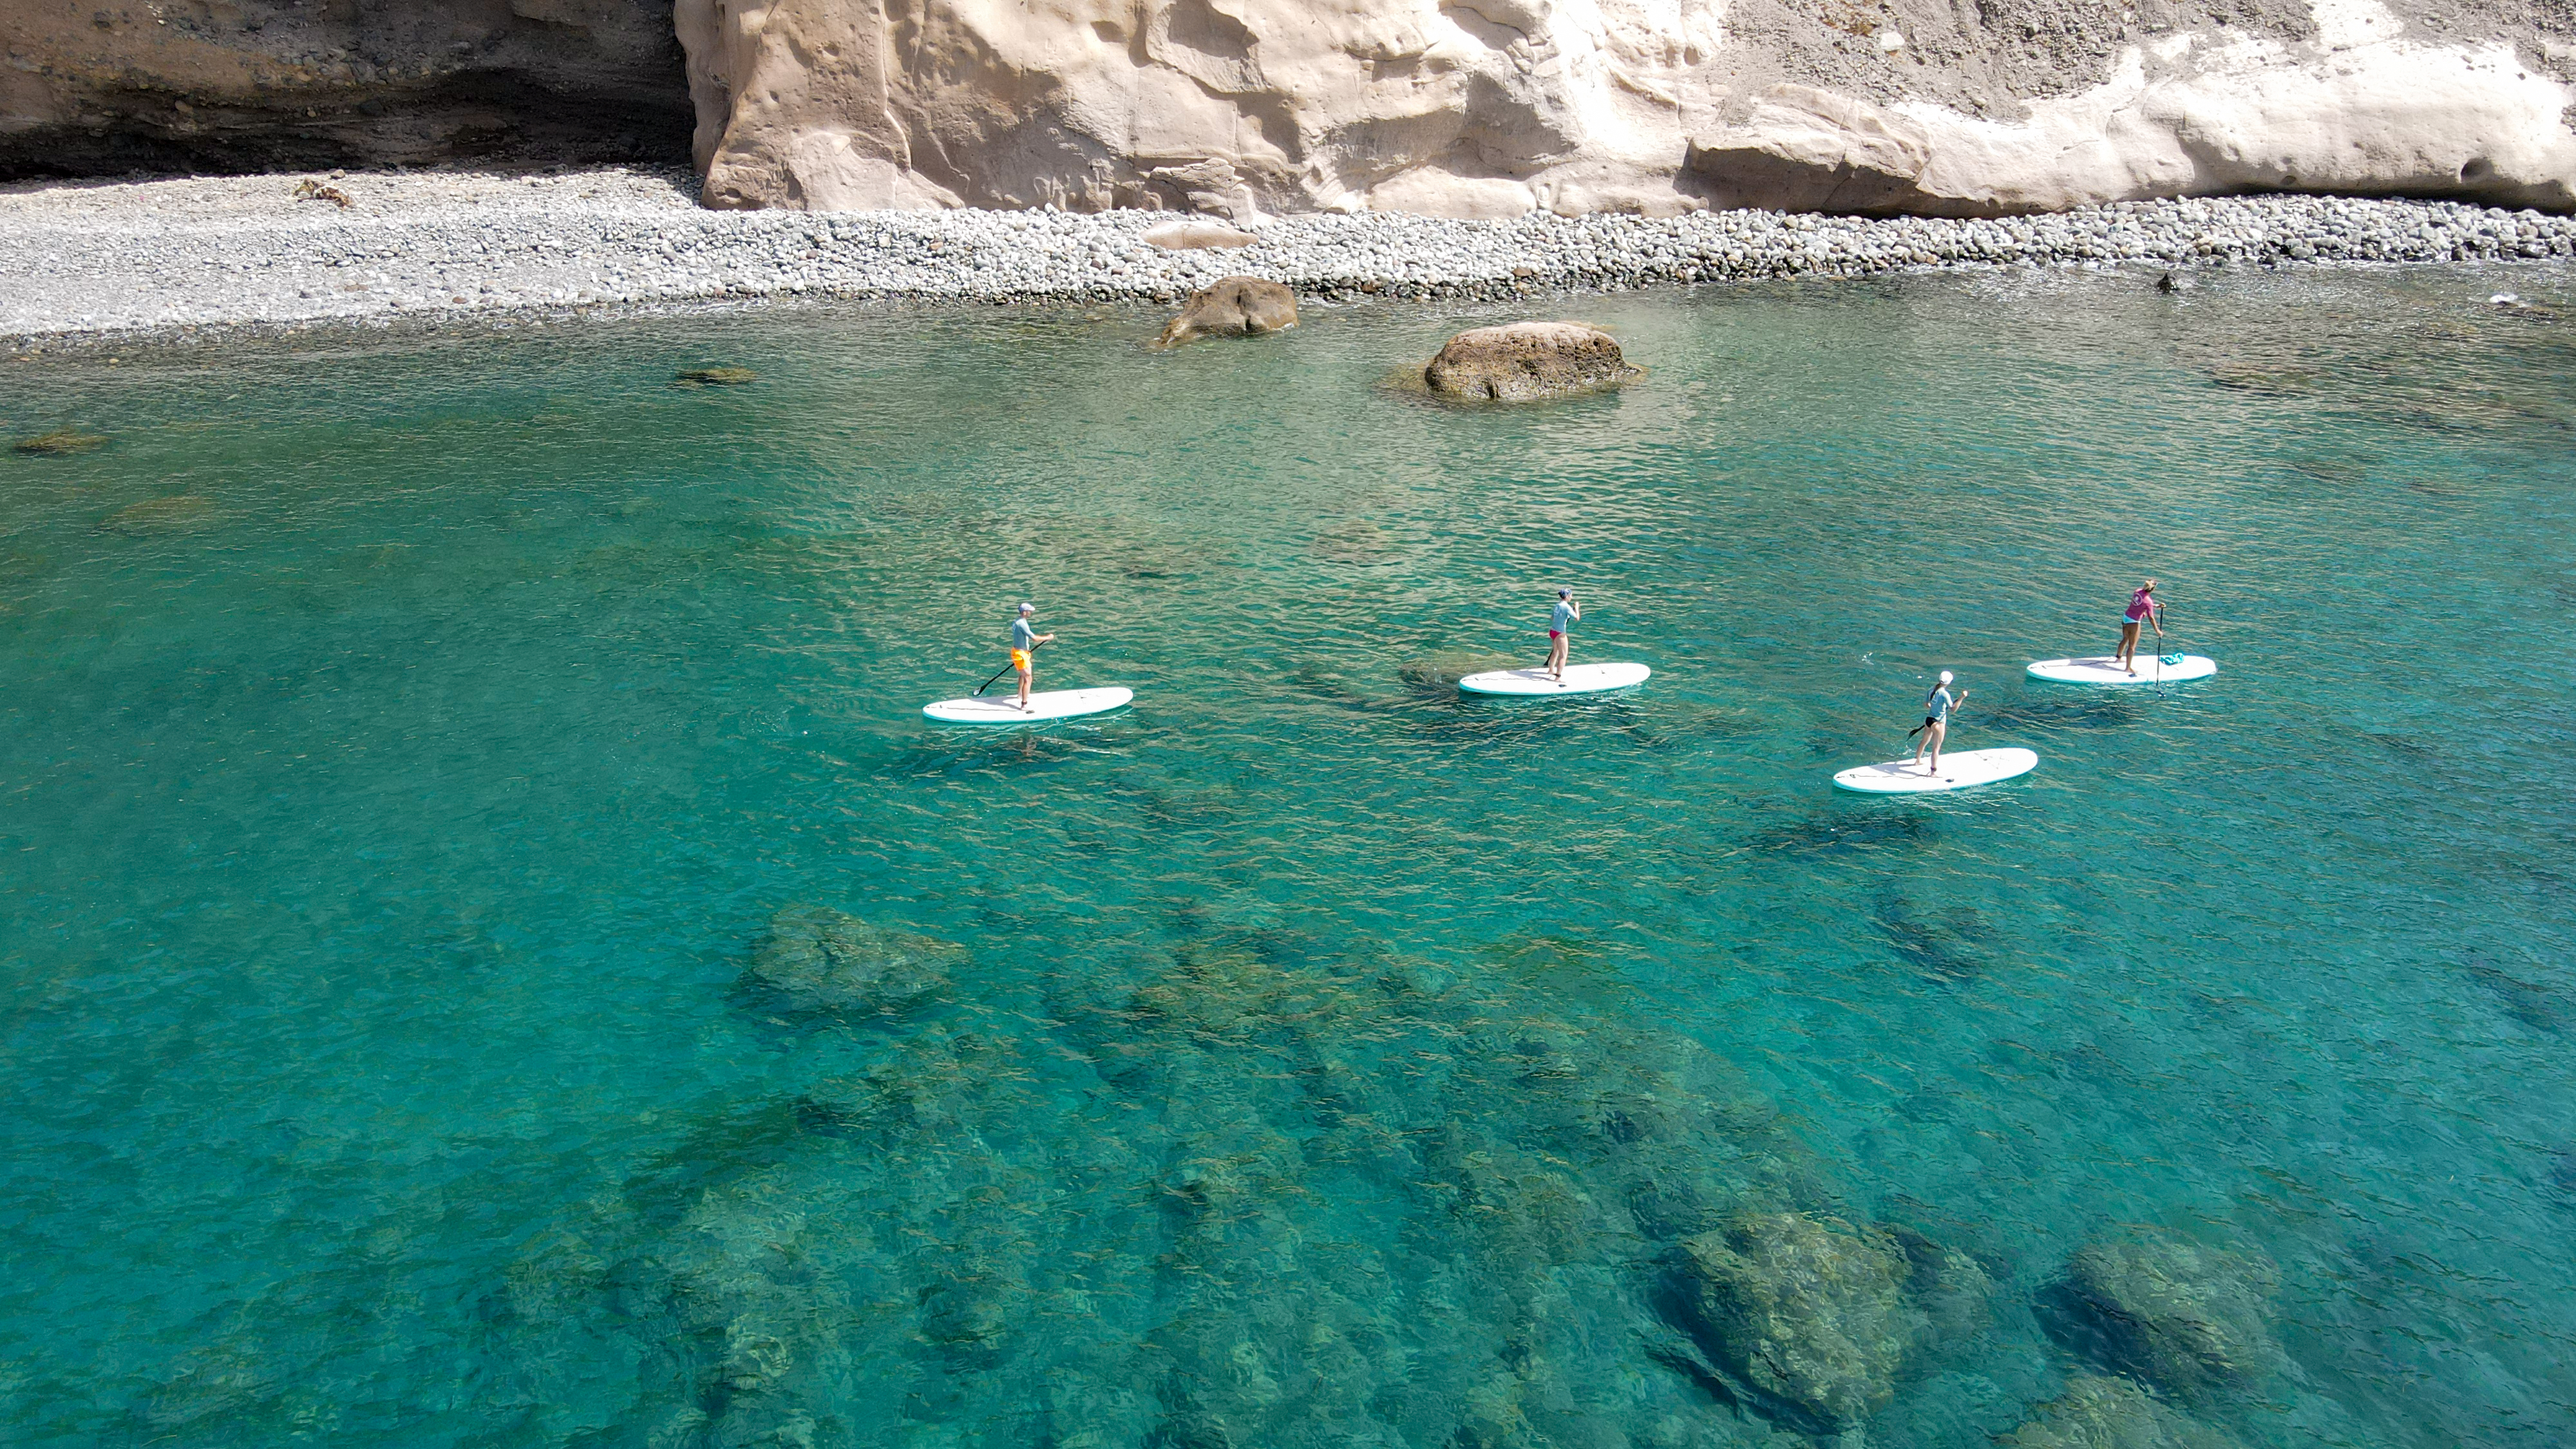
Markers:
point(1044, 704)
point(1959, 770)
point(1579, 679)
point(2103, 669)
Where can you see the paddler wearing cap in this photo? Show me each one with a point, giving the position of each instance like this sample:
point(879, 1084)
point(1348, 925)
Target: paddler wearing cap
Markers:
point(1560, 631)
point(1025, 640)
point(1936, 721)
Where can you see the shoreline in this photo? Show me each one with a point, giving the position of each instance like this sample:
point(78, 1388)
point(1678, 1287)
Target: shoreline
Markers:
point(102, 261)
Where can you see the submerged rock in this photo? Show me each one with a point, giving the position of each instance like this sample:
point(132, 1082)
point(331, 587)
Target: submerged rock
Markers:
point(1232, 307)
point(62, 442)
point(2112, 1413)
point(713, 377)
point(1951, 1288)
point(1527, 362)
point(1808, 1315)
point(1356, 542)
point(175, 514)
point(2184, 1316)
point(1439, 673)
point(829, 961)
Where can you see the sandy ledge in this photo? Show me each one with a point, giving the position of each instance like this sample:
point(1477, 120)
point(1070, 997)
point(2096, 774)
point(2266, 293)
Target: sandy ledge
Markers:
point(80, 259)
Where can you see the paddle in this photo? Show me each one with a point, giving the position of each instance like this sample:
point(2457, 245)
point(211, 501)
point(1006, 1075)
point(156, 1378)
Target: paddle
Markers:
point(2159, 617)
point(1005, 669)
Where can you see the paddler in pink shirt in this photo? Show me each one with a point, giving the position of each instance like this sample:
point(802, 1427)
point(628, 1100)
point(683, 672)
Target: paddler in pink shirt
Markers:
point(2143, 609)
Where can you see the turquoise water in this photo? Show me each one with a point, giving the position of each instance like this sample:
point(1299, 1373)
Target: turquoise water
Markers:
point(392, 820)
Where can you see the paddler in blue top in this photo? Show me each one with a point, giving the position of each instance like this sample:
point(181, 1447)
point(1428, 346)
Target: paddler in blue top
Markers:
point(1560, 628)
point(1024, 642)
point(1936, 721)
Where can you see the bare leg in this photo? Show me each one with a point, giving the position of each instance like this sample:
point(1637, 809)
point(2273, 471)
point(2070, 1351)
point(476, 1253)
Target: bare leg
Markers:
point(1932, 738)
point(1026, 674)
point(2128, 655)
point(1556, 650)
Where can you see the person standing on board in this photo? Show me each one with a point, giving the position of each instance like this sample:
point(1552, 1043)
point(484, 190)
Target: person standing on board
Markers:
point(1936, 721)
point(1560, 628)
point(2144, 608)
point(1025, 640)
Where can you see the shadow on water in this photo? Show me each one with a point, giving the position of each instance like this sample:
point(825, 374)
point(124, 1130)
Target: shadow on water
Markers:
point(1949, 946)
point(1838, 832)
point(2093, 709)
point(954, 752)
point(2535, 1006)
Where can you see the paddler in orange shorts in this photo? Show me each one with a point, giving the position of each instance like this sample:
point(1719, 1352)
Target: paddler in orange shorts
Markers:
point(1025, 640)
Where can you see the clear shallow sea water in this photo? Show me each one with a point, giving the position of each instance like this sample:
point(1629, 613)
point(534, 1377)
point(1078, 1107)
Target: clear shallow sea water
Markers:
point(390, 822)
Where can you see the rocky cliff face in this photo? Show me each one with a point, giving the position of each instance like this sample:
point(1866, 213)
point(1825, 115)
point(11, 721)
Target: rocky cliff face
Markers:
point(102, 86)
point(1240, 107)
point(1495, 107)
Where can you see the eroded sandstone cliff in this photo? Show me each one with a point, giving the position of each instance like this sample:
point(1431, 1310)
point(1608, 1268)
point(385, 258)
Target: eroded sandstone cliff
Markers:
point(1235, 108)
point(91, 87)
point(1495, 107)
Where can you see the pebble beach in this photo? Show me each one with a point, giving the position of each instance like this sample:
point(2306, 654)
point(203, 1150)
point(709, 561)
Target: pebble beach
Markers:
point(80, 259)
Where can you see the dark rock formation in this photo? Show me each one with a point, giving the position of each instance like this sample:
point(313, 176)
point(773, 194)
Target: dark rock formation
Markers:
point(60, 443)
point(2112, 1413)
point(827, 961)
point(1809, 1315)
point(1232, 307)
point(1528, 361)
point(90, 87)
point(2184, 1316)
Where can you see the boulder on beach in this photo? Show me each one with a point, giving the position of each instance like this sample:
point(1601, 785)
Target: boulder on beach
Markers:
point(2111, 1413)
point(829, 961)
point(1182, 236)
point(1527, 362)
point(1232, 307)
point(1807, 1315)
point(713, 376)
point(60, 443)
point(2184, 1316)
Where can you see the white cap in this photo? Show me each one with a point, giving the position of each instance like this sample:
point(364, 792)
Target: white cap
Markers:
point(1945, 676)
point(1028, 608)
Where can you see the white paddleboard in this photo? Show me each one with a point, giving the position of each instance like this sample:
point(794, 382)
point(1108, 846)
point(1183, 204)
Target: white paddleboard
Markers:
point(2103, 669)
point(1579, 679)
point(1044, 704)
point(1959, 770)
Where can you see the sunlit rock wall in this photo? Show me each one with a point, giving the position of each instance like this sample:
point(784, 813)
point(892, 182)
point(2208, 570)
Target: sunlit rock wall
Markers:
point(1495, 107)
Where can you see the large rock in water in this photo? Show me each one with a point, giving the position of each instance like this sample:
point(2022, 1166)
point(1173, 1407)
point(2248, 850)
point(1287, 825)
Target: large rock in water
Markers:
point(1808, 1315)
point(828, 961)
point(2112, 1413)
point(2188, 1317)
point(1528, 361)
point(1232, 307)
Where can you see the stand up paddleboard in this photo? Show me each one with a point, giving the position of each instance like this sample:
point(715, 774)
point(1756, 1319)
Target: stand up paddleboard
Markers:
point(2104, 669)
point(1959, 770)
point(1044, 704)
point(1579, 679)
